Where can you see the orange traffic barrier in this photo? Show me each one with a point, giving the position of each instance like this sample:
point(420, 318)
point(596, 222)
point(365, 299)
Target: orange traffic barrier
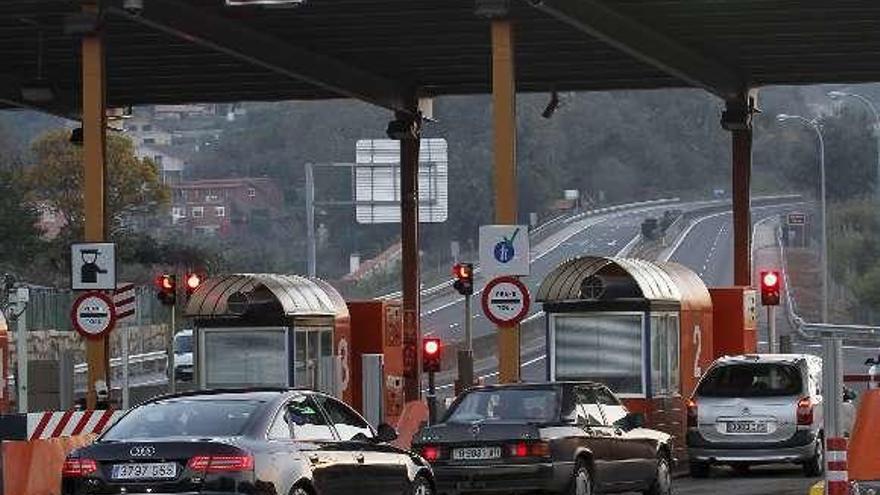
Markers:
point(34, 467)
point(414, 414)
point(864, 464)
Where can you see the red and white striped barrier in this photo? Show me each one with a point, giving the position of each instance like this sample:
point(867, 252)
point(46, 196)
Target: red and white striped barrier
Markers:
point(836, 476)
point(54, 424)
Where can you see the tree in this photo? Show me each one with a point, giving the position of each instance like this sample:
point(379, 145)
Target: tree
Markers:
point(133, 186)
point(20, 239)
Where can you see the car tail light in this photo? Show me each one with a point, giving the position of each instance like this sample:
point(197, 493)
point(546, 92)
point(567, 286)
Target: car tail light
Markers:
point(805, 412)
point(221, 463)
point(431, 453)
point(75, 467)
point(533, 449)
point(692, 413)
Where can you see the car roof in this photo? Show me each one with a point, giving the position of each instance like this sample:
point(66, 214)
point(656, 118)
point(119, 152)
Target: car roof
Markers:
point(537, 385)
point(768, 358)
point(265, 394)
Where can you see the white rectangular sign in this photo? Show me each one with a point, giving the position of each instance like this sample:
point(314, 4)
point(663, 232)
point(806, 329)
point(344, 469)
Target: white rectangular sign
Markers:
point(93, 266)
point(504, 250)
point(377, 181)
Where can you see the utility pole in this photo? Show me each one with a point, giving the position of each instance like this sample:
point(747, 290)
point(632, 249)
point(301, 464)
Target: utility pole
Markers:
point(310, 221)
point(21, 297)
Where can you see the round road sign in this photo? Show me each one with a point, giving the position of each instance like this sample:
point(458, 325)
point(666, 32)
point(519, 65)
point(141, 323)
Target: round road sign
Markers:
point(93, 314)
point(506, 301)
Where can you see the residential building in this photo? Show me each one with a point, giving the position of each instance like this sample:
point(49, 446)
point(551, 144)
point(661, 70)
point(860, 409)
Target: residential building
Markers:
point(225, 206)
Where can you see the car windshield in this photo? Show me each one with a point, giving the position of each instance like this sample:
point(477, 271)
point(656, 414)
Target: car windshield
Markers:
point(513, 404)
point(185, 417)
point(751, 380)
point(183, 344)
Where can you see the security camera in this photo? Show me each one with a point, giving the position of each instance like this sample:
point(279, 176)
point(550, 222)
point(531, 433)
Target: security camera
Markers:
point(101, 390)
point(133, 6)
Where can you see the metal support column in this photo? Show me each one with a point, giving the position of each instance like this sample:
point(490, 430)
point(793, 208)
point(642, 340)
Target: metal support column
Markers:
point(310, 221)
point(772, 342)
point(832, 386)
point(94, 179)
point(504, 124)
point(737, 119)
point(409, 225)
point(466, 355)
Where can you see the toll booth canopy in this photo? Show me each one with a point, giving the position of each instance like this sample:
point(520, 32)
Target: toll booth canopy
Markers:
point(643, 328)
point(266, 330)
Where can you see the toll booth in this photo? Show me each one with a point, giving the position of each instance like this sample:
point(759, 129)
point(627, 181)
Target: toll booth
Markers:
point(376, 328)
point(643, 328)
point(267, 330)
point(4, 365)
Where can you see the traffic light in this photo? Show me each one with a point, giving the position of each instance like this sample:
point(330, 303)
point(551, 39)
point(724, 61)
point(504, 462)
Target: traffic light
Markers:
point(192, 282)
point(464, 278)
point(167, 289)
point(431, 355)
point(770, 287)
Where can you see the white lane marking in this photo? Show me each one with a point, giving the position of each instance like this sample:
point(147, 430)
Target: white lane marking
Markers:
point(687, 232)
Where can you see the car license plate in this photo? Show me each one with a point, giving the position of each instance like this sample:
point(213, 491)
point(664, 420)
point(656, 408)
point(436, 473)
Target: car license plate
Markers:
point(152, 471)
point(746, 427)
point(476, 453)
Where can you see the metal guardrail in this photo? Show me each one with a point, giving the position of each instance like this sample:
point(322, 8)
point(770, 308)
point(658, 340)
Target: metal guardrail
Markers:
point(540, 230)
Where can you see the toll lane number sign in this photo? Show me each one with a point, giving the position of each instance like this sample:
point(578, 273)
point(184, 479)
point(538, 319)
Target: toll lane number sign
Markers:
point(506, 301)
point(93, 314)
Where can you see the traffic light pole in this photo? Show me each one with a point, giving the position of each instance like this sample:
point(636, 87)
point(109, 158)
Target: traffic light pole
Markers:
point(172, 383)
point(466, 355)
point(432, 399)
point(771, 330)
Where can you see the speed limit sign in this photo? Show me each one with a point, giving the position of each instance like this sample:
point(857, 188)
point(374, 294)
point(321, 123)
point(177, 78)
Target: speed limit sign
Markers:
point(506, 301)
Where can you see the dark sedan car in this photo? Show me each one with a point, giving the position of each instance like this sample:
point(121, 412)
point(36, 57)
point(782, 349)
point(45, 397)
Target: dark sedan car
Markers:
point(567, 437)
point(280, 441)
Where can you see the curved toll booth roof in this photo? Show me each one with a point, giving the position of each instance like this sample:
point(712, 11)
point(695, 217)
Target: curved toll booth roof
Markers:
point(597, 279)
point(286, 295)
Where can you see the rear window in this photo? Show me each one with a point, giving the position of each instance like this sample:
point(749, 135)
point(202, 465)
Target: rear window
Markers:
point(751, 380)
point(512, 404)
point(185, 418)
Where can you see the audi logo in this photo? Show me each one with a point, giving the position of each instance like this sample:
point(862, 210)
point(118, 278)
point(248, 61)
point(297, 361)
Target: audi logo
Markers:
point(142, 451)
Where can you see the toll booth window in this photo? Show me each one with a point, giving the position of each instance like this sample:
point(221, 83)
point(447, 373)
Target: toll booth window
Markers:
point(605, 348)
point(665, 351)
point(245, 357)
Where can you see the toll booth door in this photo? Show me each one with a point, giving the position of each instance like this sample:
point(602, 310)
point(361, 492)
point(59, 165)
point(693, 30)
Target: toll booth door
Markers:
point(312, 345)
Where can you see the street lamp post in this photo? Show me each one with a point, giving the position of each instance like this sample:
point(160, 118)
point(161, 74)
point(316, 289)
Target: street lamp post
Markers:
point(834, 95)
point(813, 124)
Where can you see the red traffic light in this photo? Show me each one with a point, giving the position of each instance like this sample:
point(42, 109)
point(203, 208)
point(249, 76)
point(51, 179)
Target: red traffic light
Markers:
point(770, 287)
point(464, 278)
point(431, 355)
point(432, 346)
point(165, 282)
point(193, 281)
point(463, 270)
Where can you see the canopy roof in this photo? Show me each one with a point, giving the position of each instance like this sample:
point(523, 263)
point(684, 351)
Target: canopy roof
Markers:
point(386, 51)
point(590, 278)
point(292, 294)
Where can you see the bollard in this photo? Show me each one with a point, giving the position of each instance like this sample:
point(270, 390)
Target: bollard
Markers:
point(836, 476)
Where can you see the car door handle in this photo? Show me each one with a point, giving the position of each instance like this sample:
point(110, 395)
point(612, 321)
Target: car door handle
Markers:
point(359, 458)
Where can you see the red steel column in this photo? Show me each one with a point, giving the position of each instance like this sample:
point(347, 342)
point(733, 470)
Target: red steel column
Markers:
point(409, 225)
point(737, 119)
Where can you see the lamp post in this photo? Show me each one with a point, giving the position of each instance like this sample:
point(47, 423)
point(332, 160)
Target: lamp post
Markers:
point(836, 95)
point(813, 124)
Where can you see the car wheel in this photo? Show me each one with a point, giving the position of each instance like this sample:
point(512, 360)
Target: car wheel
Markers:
point(421, 486)
point(815, 465)
point(662, 484)
point(699, 469)
point(582, 480)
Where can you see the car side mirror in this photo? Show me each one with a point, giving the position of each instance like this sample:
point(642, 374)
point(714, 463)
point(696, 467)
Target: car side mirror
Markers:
point(386, 433)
